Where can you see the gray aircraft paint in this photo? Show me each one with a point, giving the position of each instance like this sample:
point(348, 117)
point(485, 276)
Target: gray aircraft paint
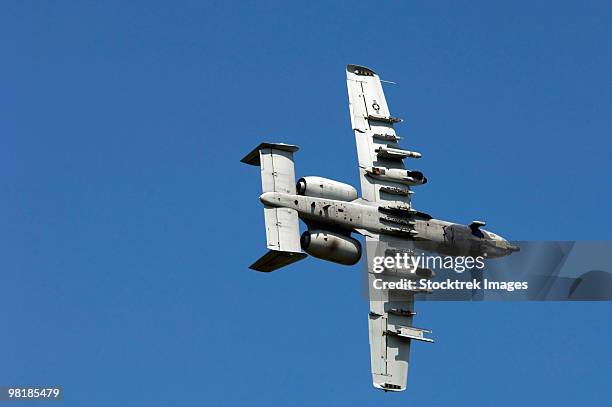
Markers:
point(384, 215)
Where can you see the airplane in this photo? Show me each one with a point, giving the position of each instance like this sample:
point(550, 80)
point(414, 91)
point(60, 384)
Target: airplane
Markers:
point(384, 214)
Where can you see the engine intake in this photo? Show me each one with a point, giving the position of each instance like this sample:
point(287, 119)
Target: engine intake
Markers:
point(331, 246)
point(320, 187)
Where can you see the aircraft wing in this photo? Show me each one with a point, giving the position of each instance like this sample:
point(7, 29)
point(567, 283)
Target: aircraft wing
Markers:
point(391, 311)
point(373, 127)
point(390, 319)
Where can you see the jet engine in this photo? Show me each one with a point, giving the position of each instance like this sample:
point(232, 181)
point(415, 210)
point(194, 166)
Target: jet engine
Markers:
point(331, 246)
point(325, 188)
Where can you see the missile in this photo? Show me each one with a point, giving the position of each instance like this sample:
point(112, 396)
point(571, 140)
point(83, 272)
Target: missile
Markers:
point(397, 175)
point(398, 153)
point(386, 137)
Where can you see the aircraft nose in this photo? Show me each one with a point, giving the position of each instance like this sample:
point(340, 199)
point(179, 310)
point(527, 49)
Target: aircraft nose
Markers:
point(512, 248)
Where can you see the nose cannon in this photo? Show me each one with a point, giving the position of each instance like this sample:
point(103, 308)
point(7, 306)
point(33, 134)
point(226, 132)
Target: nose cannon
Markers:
point(499, 247)
point(512, 248)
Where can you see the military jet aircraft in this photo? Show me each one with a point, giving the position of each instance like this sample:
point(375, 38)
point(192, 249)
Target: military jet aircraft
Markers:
point(332, 211)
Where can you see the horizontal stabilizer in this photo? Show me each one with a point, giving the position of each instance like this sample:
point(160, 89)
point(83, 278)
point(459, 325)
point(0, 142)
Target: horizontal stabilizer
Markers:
point(276, 259)
point(282, 224)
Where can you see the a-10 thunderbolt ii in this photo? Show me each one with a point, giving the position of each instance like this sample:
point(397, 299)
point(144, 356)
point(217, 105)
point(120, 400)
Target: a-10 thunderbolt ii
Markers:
point(332, 211)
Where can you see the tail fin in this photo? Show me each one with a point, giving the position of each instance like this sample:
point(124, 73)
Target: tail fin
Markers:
point(282, 225)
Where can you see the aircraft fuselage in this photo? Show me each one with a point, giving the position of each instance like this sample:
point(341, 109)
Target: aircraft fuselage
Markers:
point(427, 233)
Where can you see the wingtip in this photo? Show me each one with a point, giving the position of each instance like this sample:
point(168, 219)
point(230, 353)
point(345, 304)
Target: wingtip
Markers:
point(360, 70)
point(389, 387)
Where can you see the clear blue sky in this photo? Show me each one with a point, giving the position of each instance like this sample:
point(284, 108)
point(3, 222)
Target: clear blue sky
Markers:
point(124, 274)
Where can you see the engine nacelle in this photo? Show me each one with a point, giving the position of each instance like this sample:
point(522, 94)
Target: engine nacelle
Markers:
point(331, 246)
point(325, 188)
